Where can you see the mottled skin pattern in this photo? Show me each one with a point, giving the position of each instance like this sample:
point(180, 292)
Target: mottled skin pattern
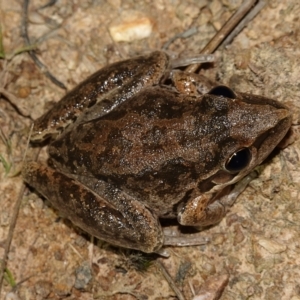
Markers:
point(159, 154)
point(160, 145)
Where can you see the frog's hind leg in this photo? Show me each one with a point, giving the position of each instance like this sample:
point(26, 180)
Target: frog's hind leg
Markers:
point(101, 93)
point(120, 220)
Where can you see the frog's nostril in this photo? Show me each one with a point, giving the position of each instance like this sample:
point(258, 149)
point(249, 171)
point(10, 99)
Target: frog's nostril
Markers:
point(224, 91)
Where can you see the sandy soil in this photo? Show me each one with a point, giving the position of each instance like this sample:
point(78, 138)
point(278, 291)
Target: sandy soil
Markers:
point(256, 245)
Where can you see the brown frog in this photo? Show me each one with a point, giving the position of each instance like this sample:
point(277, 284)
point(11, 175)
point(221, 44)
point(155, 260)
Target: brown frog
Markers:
point(128, 150)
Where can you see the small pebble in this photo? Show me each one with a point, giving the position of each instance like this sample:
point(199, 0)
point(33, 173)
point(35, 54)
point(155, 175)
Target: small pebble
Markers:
point(132, 25)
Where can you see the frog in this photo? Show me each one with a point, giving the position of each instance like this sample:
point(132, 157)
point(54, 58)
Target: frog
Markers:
point(138, 142)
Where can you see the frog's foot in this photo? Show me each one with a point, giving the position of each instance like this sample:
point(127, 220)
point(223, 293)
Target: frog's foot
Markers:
point(239, 187)
point(186, 240)
point(173, 237)
point(186, 61)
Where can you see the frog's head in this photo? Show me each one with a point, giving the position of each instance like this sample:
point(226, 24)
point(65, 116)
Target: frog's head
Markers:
point(255, 125)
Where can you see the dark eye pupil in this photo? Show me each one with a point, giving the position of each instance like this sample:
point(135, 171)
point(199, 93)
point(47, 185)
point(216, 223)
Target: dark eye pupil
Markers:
point(238, 161)
point(222, 90)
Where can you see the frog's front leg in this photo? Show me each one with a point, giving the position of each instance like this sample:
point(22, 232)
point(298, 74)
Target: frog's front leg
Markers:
point(113, 216)
point(198, 211)
point(209, 209)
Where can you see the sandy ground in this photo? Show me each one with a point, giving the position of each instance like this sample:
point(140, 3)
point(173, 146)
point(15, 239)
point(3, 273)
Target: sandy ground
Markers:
point(256, 245)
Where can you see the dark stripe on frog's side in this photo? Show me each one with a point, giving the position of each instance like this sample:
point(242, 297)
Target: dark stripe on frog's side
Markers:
point(167, 104)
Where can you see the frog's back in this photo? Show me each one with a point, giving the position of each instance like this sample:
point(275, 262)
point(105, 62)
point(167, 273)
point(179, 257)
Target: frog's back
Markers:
point(157, 146)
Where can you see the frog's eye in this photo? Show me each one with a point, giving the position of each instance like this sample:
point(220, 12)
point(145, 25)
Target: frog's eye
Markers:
point(238, 160)
point(222, 90)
